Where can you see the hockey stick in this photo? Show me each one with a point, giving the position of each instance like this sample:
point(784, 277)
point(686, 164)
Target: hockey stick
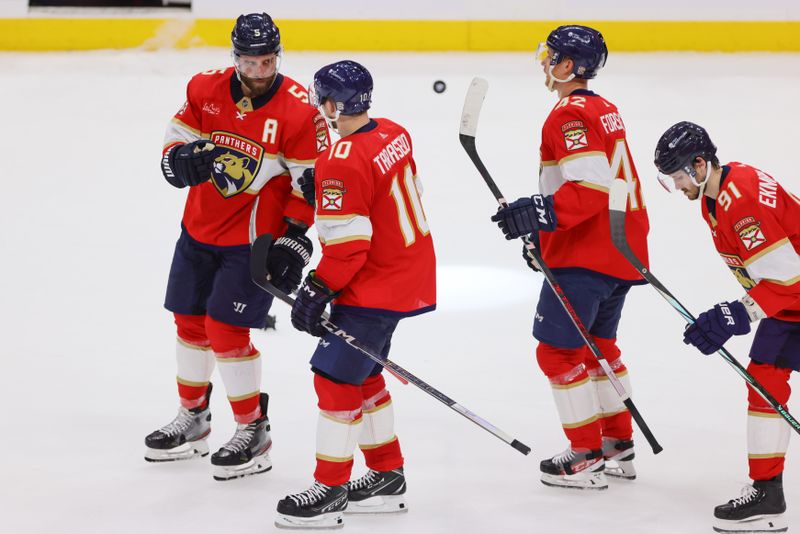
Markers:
point(258, 272)
point(469, 126)
point(617, 206)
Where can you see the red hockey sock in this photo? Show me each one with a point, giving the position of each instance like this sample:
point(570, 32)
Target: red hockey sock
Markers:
point(240, 368)
point(194, 359)
point(574, 394)
point(615, 419)
point(767, 432)
point(338, 428)
point(378, 441)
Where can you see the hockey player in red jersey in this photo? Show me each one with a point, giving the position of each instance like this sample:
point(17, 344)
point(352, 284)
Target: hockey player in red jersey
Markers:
point(239, 143)
point(377, 267)
point(755, 225)
point(583, 150)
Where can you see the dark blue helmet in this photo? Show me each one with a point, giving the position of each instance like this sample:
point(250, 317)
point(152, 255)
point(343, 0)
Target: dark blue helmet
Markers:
point(255, 35)
point(681, 144)
point(583, 45)
point(347, 83)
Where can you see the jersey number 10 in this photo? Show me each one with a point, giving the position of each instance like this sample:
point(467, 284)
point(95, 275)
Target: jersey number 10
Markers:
point(412, 193)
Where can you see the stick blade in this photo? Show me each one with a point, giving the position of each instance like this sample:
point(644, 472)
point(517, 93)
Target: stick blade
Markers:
point(472, 106)
point(258, 259)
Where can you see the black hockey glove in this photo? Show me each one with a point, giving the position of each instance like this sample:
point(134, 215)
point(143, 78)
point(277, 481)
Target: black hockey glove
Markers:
point(288, 257)
point(310, 304)
point(306, 183)
point(188, 164)
point(526, 215)
point(716, 326)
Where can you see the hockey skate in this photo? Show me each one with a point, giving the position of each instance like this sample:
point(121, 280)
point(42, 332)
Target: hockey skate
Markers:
point(183, 438)
point(247, 453)
point(619, 455)
point(760, 508)
point(319, 507)
point(377, 492)
point(578, 469)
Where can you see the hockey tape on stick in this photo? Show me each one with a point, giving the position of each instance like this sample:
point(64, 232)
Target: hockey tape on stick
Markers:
point(258, 272)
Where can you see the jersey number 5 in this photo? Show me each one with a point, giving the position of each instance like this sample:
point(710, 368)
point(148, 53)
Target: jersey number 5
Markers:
point(410, 186)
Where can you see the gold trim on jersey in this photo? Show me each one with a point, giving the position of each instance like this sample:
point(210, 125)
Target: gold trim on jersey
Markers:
point(582, 155)
point(770, 415)
point(347, 239)
point(767, 250)
point(590, 185)
point(791, 282)
point(186, 126)
point(766, 456)
point(338, 217)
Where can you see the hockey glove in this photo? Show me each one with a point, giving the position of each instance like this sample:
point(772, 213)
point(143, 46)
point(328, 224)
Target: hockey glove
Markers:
point(716, 326)
point(310, 304)
point(188, 164)
point(306, 183)
point(288, 257)
point(526, 215)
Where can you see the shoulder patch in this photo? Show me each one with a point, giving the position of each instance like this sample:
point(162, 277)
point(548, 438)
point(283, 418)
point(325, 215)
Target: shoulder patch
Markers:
point(575, 135)
point(321, 128)
point(332, 194)
point(749, 230)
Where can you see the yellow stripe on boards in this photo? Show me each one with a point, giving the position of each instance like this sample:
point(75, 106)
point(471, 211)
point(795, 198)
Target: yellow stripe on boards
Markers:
point(50, 34)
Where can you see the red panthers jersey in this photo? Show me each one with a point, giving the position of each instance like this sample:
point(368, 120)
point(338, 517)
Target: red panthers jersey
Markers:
point(755, 224)
point(262, 147)
point(583, 151)
point(376, 245)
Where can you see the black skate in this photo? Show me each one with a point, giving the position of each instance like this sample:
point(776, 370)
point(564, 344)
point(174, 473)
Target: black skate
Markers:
point(377, 492)
point(578, 469)
point(319, 507)
point(619, 455)
point(759, 509)
point(247, 453)
point(183, 438)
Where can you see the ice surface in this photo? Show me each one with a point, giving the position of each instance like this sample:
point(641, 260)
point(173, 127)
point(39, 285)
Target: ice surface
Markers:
point(88, 227)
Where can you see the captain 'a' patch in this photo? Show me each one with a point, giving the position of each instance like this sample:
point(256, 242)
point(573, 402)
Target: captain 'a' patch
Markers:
point(574, 135)
point(236, 163)
point(749, 230)
point(332, 194)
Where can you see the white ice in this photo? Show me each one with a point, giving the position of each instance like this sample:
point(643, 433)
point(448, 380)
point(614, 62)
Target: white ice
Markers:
point(88, 228)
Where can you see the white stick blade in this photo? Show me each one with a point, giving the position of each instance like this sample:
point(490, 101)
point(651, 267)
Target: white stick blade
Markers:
point(618, 196)
point(472, 106)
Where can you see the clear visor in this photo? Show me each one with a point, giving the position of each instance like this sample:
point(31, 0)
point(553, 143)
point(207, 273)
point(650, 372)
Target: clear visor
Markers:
point(542, 52)
point(678, 180)
point(315, 100)
point(313, 96)
point(257, 67)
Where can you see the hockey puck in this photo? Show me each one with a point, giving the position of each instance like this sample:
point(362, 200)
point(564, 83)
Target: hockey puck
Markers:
point(439, 86)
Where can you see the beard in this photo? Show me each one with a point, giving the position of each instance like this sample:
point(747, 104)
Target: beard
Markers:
point(257, 86)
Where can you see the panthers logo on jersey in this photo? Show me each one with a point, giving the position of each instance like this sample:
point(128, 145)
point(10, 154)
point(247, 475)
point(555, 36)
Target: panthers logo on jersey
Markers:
point(236, 163)
point(736, 265)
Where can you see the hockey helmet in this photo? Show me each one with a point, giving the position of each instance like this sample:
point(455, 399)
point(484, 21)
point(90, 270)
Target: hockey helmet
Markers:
point(583, 45)
point(677, 149)
point(347, 83)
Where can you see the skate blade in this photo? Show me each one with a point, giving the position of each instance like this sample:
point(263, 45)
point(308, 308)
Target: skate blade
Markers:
point(187, 451)
point(379, 504)
point(259, 464)
point(330, 521)
point(620, 470)
point(754, 525)
point(596, 481)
